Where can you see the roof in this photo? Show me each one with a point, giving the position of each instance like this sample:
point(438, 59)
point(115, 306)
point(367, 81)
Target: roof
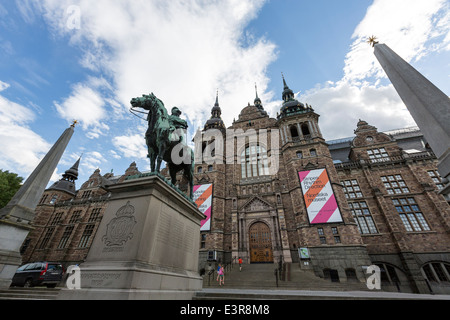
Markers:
point(409, 139)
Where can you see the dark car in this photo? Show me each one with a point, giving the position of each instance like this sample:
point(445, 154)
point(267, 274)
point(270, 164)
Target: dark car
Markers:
point(38, 274)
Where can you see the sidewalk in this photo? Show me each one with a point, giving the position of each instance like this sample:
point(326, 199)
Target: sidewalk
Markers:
point(252, 294)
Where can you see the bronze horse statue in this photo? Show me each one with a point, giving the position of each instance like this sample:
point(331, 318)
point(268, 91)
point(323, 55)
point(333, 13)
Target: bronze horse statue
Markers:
point(163, 140)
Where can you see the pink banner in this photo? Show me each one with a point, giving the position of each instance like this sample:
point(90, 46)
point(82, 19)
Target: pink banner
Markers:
point(203, 200)
point(320, 200)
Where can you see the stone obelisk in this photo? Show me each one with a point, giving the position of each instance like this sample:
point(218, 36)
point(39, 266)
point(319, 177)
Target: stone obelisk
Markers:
point(16, 217)
point(428, 105)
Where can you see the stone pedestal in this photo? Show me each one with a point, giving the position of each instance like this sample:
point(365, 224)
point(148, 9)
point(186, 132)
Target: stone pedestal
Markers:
point(146, 246)
point(12, 235)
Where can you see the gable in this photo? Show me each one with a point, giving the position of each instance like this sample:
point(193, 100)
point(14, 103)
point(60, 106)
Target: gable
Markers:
point(256, 204)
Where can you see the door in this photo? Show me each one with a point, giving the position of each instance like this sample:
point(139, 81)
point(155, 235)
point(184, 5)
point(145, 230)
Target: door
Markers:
point(260, 244)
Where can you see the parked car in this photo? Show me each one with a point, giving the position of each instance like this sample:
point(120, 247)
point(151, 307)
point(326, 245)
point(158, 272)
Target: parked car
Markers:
point(38, 274)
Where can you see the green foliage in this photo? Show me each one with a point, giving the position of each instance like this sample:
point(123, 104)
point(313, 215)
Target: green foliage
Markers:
point(10, 183)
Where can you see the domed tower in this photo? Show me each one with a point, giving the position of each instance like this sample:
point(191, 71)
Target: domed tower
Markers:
point(67, 183)
point(297, 120)
point(216, 121)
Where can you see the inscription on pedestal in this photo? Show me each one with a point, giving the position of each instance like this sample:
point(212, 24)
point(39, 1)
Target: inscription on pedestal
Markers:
point(175, 233)
point(98, 278)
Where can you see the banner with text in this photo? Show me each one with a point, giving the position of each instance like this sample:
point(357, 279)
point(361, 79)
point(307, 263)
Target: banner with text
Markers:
point(319, 197)
point(203, 200)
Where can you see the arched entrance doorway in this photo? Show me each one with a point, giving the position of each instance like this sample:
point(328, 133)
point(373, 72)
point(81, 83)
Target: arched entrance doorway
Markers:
point(260, 244)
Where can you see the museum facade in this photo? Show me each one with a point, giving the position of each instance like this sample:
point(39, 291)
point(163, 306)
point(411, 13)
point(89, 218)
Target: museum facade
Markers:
point(275, 191)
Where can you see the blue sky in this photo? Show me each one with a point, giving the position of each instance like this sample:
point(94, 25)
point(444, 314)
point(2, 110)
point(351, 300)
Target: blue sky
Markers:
point(62, 60)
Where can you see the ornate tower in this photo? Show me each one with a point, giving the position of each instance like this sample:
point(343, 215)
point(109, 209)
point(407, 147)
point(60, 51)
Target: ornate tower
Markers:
point(210, 184)
point(297, 121)
point(67, 183)
point(314, 203)
point(216, 121)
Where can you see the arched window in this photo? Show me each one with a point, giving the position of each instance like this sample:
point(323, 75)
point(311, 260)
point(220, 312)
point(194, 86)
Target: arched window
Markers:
point(254, 162)
point(437, 272)
point(294, 132)
point(305, 129)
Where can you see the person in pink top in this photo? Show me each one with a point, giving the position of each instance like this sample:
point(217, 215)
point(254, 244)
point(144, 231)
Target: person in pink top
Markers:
point(221, 276)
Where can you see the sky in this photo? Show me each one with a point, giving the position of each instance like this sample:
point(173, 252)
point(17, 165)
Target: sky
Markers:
point(84, 60)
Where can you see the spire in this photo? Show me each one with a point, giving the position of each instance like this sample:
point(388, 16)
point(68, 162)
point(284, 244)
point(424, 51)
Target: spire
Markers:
point(216, 112)
point(288, 94)
point(217, 99)
point(72, 173)
point(257, 99)
point(216, 121)
point(291, 106)
point(67, 183)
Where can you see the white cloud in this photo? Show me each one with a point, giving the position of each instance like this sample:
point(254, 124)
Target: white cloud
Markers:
point(3, 86)
point(21, 149)
point(92, 160)
point(341, 105)
point(26, 9)
point(183, 52)
point(85, 105)
point(131, 146)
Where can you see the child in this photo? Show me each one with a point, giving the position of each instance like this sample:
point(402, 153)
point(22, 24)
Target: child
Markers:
point(218, 269)
point(240, 264)
point(221, 276)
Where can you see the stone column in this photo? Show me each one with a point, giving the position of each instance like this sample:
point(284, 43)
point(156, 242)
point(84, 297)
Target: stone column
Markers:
point(428, 105)
point(17, 216)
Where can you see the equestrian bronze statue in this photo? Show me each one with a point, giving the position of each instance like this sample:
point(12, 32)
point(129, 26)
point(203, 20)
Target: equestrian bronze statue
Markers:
point(165, 139)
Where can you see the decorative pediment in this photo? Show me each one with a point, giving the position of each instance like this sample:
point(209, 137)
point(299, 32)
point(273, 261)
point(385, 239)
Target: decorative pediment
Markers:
point(256, 204)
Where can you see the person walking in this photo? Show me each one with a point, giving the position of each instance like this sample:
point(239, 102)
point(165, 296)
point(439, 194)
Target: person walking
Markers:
point(221, 276)
point(240, 264)
point(218, 269)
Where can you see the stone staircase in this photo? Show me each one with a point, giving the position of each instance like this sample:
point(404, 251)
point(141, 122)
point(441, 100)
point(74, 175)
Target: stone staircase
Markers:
point(29, 294)
point(261, 276)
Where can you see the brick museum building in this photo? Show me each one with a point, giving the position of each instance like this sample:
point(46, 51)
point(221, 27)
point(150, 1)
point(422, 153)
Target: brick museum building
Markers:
point(331, 207)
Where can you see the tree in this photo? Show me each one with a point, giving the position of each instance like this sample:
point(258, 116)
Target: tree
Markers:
point(10, 183)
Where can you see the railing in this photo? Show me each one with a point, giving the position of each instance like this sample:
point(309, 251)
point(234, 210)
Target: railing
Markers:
point(280, 272)
point(227, 268)
point(383, 161)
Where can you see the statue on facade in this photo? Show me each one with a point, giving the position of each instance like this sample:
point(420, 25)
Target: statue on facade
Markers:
point(165, 139)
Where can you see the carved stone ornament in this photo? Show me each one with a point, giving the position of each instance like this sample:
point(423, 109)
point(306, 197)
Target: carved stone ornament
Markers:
point(256, 204)
point(119, 229)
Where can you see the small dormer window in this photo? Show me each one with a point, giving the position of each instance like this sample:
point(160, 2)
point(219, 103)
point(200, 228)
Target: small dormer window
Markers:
point(378, 155)
point(54, 198)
